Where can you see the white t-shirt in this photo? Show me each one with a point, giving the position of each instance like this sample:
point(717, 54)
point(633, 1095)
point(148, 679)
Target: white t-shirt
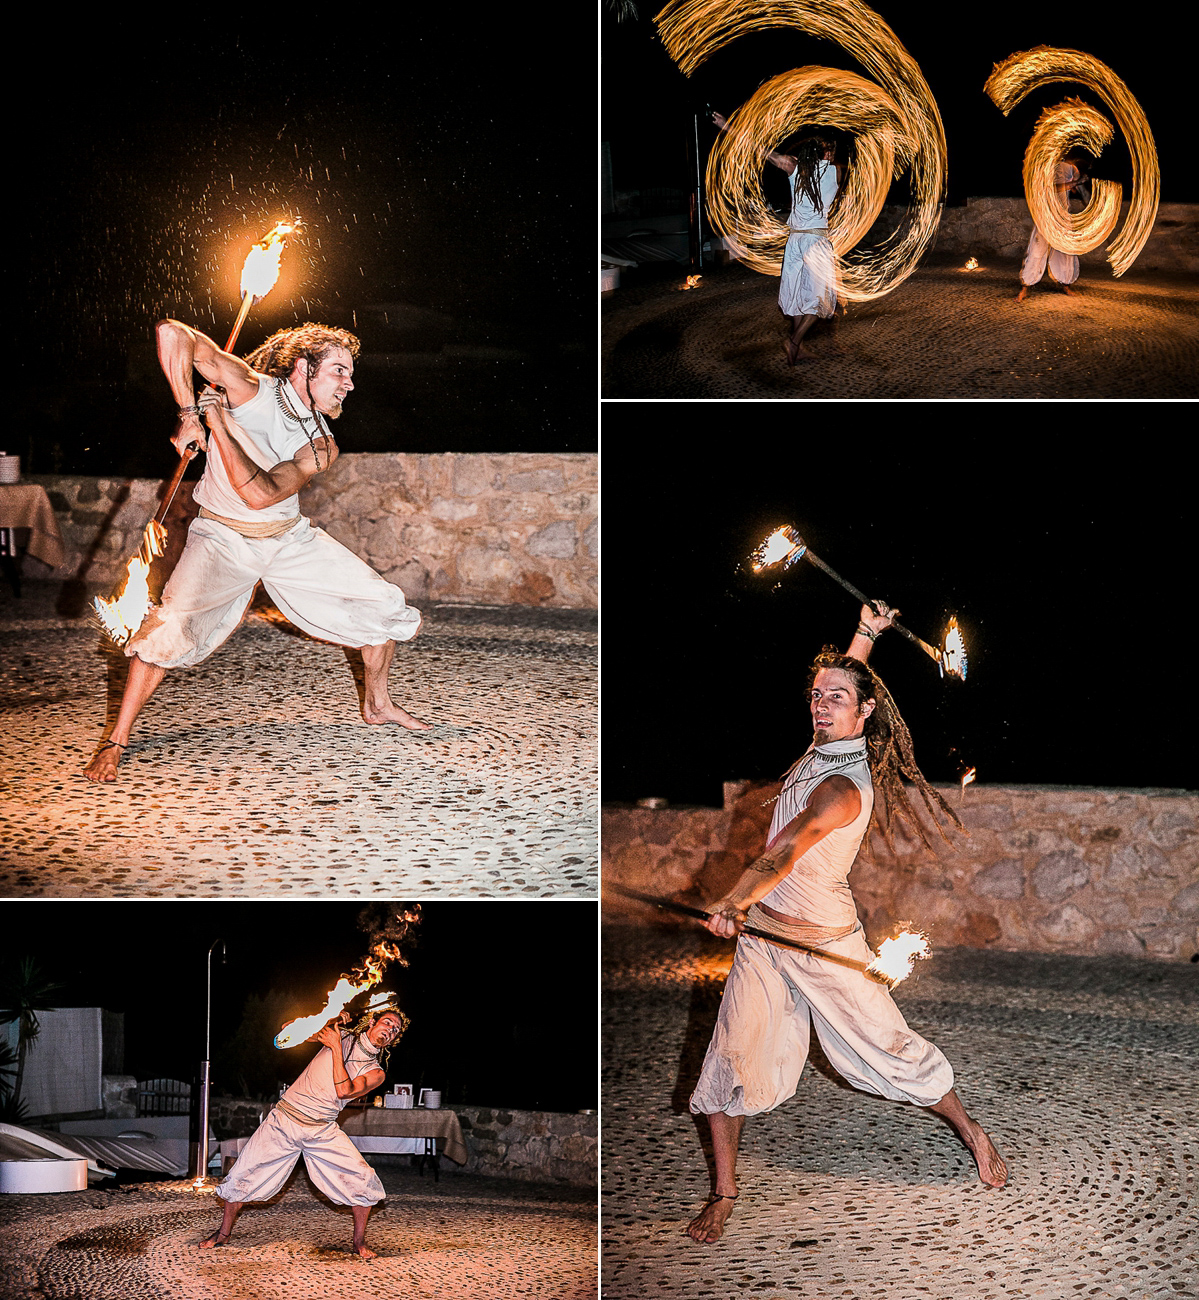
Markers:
point(803, 215)
point(268, 436)
point(313, 1092)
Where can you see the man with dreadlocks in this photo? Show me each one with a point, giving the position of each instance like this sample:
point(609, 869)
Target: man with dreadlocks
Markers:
point(268, 425)
point(304, 1123)
point(799, 890)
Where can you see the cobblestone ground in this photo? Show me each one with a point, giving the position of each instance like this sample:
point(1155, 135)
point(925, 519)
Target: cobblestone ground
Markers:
point(254, 773)
point(943, 333)
point(1082, 1069)
point(463, 1237)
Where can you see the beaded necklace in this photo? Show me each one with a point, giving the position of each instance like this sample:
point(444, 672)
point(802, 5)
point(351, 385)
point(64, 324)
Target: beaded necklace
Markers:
point(318, 424)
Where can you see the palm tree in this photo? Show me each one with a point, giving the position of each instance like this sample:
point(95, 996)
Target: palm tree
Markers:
point(25, 991)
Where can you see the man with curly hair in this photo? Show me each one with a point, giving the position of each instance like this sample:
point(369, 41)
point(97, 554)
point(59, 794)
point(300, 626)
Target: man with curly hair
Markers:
point(799, 890)
point(304, 1123)
point(268, 436)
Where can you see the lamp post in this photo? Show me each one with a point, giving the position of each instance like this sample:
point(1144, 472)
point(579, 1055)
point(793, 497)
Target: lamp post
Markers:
point(201, 1181)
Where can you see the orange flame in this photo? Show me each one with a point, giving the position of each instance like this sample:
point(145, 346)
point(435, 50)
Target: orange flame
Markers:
point(896, 956)
point(971, 264)
point(967, 778)
point(343, 992)
point(692, 283)
point(261, 269)
point(123, 615)
point(783, 546)
point(953, 652)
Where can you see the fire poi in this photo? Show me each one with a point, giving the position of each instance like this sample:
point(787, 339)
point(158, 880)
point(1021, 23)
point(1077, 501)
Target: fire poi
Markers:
point(124, 613)
point(785, 546)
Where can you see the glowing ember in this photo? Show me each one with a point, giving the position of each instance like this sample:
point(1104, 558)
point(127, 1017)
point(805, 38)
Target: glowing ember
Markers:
point(261, 270)
point(894, 119)
point(692, 283)
point(123, 615)
point(971, 264)
point(896, 956)
point(343, 992)
point(1074, 123)
point(784, 546)
point(953, 654)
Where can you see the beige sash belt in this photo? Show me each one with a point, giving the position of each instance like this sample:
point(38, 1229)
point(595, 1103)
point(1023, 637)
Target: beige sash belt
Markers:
point(762, 920)
point(299, 1116)
point(268, 528)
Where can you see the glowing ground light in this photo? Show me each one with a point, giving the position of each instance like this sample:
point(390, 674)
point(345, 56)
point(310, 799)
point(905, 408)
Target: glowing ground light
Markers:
point(692, 282)
point(1071, 124)
point(894, 119)
point(897, 956)
point(971, 264)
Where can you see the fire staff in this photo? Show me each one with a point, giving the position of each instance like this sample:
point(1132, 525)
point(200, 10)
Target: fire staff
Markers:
point(304, 1123)
point(1040, 256)
point(799, 890)
point(270, 435)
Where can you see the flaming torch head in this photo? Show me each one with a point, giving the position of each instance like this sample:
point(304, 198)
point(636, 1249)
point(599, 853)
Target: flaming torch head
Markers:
point(784, 546)
point(896, 956)
point(953, 652)
point(123, 615)
point(261, 268)
point(343, 992)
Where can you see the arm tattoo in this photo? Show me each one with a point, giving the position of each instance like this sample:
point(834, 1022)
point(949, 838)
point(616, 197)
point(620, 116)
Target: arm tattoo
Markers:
point(765, 865)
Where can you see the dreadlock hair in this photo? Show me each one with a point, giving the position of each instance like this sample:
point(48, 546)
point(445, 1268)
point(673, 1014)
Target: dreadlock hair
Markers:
point(888, 751)
point(313, 343)
point(809, 153)
point(368, 1018)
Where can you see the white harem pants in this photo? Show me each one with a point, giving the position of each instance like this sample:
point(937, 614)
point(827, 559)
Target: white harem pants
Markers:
point(760, 1043)
point(809, 279)
point(333, 1163)
point(318, 583)
point(1062, 266)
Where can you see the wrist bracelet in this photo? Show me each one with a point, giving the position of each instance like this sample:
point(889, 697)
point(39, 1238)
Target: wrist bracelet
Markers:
point(866, 632)
point(189, 410)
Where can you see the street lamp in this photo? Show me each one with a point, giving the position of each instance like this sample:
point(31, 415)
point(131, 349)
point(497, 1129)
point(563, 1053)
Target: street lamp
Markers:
point(201, 1181)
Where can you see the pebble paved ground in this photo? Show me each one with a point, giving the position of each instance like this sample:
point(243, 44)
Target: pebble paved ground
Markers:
point(253, 774)
point(944, 333)
point(1083, 1070)
point(465, 1237)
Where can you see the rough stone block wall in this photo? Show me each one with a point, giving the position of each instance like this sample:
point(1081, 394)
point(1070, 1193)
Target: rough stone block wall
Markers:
point(533, 1146)
point(235, 1117)
point(1044, 869)
point(512, 529)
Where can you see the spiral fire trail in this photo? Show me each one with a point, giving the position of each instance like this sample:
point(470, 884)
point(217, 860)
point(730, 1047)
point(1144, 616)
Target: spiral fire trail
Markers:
point(896, 124)
point(1076, 123)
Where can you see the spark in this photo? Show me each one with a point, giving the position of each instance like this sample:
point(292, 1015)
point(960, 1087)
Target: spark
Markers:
point(894, 118)
point(1075, 123)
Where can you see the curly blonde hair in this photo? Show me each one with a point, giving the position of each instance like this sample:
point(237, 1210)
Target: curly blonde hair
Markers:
point(313, 343)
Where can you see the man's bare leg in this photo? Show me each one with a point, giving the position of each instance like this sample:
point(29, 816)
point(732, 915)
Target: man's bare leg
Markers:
point(795, 348)
point(991, 1167)
point(361, 1214)
point(143, 681)
point(229, 1217)
point(377, 704)
point(708, 1225)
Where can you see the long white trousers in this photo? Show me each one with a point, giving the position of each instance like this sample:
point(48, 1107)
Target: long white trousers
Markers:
point(318, 583)
point(772, 997)
point(1063, 266)
point(333, 1162)
point(808, 286)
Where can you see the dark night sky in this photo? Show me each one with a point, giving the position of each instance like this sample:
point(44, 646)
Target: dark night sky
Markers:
point(1060, 535)
point(502, 996)
point(415, 148)
point(647, 102)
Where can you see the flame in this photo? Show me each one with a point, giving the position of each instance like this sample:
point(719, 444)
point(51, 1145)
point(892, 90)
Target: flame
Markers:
point(896, 956)
point(967, 777)
point(343, 992)
point(1076, 123)
point(692, 283)
point(894, 119)
point(783, 546)
point(953, 652)
point(261, 270)
point(122, 615)
point(971, 264)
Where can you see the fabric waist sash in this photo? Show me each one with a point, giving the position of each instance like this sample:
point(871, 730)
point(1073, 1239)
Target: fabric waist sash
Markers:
point(299, 1116)
point(760, 919)
point(247, 528)
point(807, 230)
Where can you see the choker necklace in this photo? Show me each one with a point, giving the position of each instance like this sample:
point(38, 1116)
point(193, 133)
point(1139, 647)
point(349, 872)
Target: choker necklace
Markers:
point(319, 424)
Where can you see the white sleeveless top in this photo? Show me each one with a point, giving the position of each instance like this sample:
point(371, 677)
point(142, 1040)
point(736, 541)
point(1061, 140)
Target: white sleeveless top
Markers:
point(816, 889)
point(803, 215)
point(268, 437)
point(313, 1092)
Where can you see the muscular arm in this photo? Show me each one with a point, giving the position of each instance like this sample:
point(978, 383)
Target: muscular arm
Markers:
point(861, 645)
point(834, 803)
point(345, 1087)
point(181, 350)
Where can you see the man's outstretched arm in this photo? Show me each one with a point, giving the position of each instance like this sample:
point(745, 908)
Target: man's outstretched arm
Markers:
point(863, 641)
point(181, 350)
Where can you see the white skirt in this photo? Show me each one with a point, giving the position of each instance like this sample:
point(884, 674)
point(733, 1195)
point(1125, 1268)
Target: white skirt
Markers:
point(318, 583)
point(809, 281)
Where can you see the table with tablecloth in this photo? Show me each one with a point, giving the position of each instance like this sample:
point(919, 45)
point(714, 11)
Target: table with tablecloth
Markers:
point(26, 506)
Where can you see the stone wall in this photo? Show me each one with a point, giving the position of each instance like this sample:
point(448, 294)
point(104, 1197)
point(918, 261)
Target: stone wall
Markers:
point(1044, 869)
point(512, 529)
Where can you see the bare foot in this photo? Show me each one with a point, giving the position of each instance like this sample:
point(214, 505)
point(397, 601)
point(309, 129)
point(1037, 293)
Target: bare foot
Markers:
point(1020, 297)
point(103, 766)
point(991, 1167)
point(708, 1224)
point(217, 1238)
point(361, 1249)
point(390, 712)
point(1066, 289)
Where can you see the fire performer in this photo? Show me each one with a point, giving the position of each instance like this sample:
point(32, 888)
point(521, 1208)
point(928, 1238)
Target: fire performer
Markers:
point(799, 890)
point(808, 288)
point(304, 1123)
point(271, 436)
point(1062, 267)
